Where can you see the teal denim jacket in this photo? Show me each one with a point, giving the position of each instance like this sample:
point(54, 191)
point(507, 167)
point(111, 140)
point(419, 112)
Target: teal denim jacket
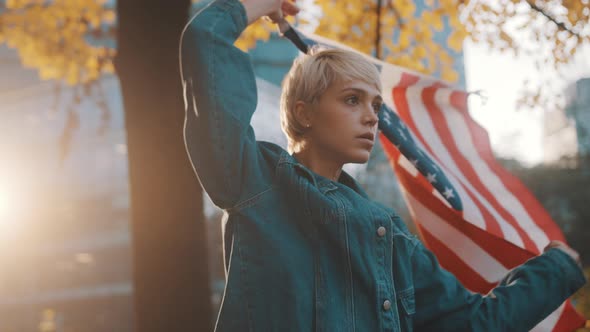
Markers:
point(304, 253)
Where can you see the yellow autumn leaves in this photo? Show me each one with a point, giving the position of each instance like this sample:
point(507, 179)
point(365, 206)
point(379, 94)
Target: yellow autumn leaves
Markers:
point(423, 35)
point(406, 35)
point(54, 37)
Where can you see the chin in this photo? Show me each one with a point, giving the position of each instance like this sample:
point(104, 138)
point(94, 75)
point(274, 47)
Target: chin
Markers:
point(359, 157)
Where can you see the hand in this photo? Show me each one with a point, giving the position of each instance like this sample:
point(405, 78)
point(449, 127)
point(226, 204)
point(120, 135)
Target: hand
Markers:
point(276, 10)
point(562, 246)
point(287, 8)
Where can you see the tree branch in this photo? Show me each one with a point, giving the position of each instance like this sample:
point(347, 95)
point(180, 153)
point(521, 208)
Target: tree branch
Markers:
point(398, 17)
point(560, 25)
point(378, 32)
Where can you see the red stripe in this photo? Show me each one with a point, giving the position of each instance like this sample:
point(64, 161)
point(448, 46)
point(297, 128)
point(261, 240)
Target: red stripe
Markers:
point(492, 225)
point(505, 252)
point(453, 263)
point(407, 80)
point(440, 123)
point(399, 95)
point(481, 140)
point(570, 319)
point(402, 105)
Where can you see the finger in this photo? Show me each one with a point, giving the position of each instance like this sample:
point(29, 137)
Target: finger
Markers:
point(289, 8)
point(554, 243)
point(276, 16)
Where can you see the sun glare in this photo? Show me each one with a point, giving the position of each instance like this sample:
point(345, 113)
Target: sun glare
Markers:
point(4, 207)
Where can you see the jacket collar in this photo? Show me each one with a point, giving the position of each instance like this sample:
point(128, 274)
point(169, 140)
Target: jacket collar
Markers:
point(322, 183)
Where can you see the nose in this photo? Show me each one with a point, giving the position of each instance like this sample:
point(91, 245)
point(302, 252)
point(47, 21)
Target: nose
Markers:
point(370, 117)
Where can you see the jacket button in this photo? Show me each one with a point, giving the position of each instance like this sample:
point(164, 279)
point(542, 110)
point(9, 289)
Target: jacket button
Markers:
point(381, 231)
point(386, 305)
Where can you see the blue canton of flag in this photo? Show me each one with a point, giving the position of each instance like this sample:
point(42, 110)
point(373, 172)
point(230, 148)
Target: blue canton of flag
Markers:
point(397, 133)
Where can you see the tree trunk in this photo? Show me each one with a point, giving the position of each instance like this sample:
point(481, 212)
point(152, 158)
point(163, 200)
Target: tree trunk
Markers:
point(171, 279)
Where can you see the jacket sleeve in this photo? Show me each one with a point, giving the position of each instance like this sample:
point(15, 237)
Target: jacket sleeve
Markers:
point(523, 298)
point(220, 98)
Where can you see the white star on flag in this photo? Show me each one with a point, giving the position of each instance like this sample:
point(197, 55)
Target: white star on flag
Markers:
point(448, 193)
point(431, 178)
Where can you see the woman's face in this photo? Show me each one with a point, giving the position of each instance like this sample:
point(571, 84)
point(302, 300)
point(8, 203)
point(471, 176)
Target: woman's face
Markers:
point(344, 121)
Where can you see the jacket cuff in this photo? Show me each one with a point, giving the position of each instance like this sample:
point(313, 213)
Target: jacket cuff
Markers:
point(569, 267)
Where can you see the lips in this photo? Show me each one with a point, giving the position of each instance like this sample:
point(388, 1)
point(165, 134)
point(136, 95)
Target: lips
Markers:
point(370, 136)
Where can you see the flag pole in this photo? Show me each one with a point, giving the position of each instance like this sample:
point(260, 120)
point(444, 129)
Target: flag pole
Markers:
point(286, 30)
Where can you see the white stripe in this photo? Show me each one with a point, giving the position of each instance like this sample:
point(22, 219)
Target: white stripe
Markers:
point(462, 137)
point(407, 165)
point(440, 197)
point(471, 212)
point(425, 126)
point(468, 251)
point(549, 323)
point(390, 78)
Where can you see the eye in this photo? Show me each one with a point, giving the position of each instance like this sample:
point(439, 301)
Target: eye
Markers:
point(377, 107)
point(352, 100)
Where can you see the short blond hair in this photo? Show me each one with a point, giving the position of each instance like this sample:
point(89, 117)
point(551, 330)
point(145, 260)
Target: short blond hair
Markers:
point(310, 76)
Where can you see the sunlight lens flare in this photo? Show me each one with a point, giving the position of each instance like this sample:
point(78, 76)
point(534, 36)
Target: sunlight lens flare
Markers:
point(8, 207)
point(4, 207)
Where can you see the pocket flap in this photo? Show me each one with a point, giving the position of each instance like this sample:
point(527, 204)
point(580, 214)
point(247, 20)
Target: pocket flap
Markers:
point(406, 297)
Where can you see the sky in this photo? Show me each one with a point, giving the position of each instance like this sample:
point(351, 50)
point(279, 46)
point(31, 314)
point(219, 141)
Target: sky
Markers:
point(513, 133)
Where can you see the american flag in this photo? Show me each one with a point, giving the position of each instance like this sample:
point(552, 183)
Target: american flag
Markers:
point(478, 219)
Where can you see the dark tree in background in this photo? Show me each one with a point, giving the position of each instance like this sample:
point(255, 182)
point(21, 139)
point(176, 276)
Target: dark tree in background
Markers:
point(563, 190)
point(171, 277)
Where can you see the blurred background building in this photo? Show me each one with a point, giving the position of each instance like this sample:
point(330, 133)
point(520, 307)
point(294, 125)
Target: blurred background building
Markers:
point(567, 132)
point(64, 235)
point(578, 109)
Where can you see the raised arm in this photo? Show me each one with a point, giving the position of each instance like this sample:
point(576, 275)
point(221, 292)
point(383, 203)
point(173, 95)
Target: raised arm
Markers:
point(523, 298)
point(220, 97)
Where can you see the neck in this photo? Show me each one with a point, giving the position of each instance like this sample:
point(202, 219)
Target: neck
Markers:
point(320, 163)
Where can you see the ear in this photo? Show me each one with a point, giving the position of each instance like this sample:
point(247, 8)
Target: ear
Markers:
point(303, 114)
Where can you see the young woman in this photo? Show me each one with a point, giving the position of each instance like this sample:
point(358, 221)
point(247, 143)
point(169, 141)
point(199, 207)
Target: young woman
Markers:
point(305, 248)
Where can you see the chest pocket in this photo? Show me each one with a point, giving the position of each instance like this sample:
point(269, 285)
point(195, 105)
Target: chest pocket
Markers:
point(406, 303)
